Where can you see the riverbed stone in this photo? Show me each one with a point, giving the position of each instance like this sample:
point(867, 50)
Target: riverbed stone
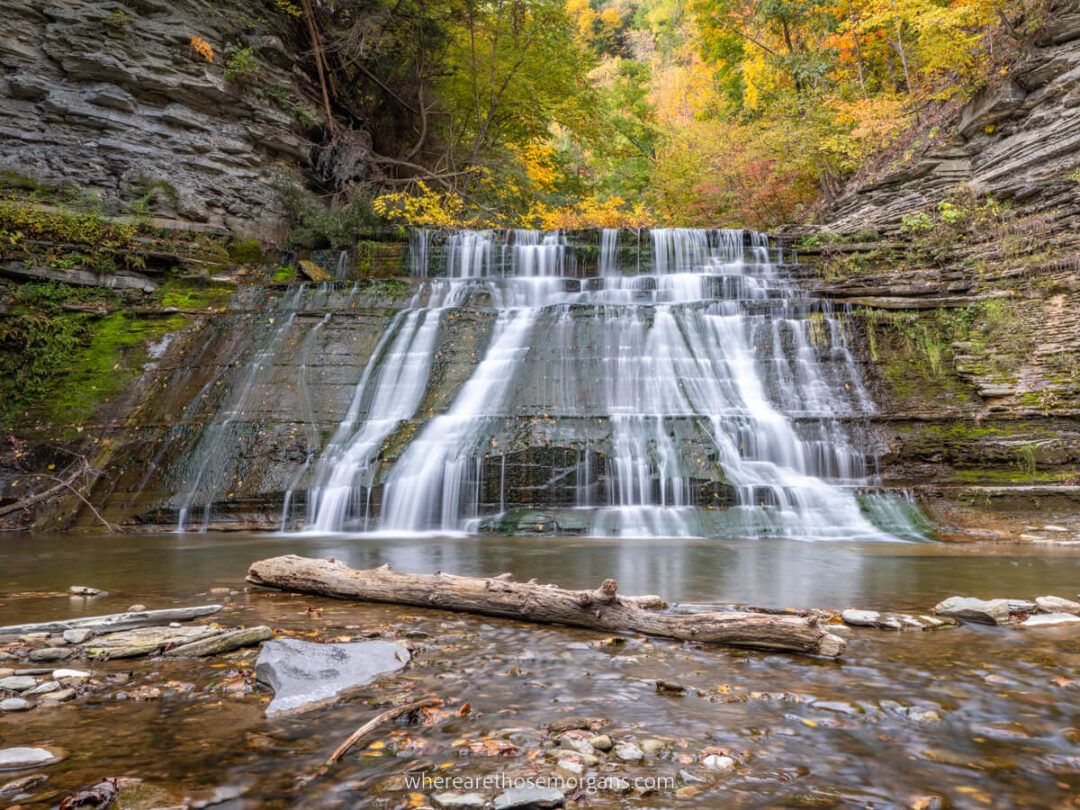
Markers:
point(20, 786)
point(147, 640)
point(718, 762)
point(601, 742)
point(653, 746)
point(18, 683)
point(78, 635)
point(529, 798)
point(59, 696)
point(1055, 604)
point(571, 764)
point(14, 705)
point(455, 800)
point(43, 688)
point(992, 611)
point(226, 642)
point(629, 753)
point(305, 675)
point(50, 654)
point(86, 590)
point(16, 758)
point(70, 674)
point(1050, 620)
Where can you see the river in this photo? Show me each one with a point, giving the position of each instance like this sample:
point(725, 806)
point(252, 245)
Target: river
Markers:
point(979, 716)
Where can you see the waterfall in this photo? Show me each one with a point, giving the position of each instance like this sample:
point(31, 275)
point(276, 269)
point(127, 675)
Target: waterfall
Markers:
point(694, 392)
point(342, 270)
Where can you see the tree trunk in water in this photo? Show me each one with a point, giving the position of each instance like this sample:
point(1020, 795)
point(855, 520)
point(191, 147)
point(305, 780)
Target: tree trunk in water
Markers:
point(602, 609)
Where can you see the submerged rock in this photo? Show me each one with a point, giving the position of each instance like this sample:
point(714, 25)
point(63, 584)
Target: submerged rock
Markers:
point(894, 621)
point(50, 654)
point(19, 787)
point(629, 753)
point(527, 798)
point(450, 800)
point(86, 590)
point(304, 675)
point(14, 705)
point(993, 611)
point(716, 762)
point(1050, 620)
point(1055, 604)
point(15, 758)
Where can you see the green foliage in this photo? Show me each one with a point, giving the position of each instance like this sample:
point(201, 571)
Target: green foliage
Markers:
point(284, 275)
point(313, 224)
point(66, 238)
point(242, 66)
point(118, 20)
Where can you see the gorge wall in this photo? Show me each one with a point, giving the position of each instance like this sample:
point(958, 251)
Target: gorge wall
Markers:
point(116, 100)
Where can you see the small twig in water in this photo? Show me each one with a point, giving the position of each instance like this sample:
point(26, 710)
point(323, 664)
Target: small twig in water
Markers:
point(364, 731)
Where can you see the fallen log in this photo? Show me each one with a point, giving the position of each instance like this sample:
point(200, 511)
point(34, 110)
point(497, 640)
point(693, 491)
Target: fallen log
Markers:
point(113, 622)
point(602, 609)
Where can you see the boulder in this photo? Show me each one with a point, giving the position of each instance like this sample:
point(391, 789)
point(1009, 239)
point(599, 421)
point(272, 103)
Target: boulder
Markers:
point(314, 272)
point(968, 609)
point(305, 675)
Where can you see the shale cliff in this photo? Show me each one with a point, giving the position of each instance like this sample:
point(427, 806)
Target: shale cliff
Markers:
point(184, 110)
point(961, 265)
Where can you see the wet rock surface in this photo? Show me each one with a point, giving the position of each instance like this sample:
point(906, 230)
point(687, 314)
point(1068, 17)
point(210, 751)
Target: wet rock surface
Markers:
point(304, 675)
point(994, 611)
point(125, 106)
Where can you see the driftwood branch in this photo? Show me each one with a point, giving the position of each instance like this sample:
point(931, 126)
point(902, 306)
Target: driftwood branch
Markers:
point(601, 609)
point(364, 731)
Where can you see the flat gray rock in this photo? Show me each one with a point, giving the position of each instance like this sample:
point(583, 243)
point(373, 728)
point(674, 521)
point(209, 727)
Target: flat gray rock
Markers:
point(17, 683)
point(1050, 620)
point(14, 705)
point(993, 611)
point(449, 800)
point(527, 798)
point(1055, 604)
point(147, 640)
point(305, 675)
point(12, 759)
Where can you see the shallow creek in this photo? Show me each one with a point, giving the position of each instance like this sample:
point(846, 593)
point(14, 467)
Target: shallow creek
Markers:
point(981, 717)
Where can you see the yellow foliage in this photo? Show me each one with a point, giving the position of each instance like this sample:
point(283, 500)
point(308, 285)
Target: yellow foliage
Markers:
point(202, 48)
point(426, 208)
point(612, 212)
point(538, 159)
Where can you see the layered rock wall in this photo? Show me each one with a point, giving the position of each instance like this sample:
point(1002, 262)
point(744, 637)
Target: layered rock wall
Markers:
point(184, 110)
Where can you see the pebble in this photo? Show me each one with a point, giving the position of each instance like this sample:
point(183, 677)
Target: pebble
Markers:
point(17, 683)
point(77, 636)
point(6, 673)
point(448, 800)
point(136, 609)
point(14, 705)
point(531, 797)
point(1052, 528)
point(839, 707)
point(14, 758)
point(716, 762)
point(690, 778)
point(601, 742)
point(571, 765)
point(653, 746)
point(629, 753)
point(50, 654)
point(688, 791)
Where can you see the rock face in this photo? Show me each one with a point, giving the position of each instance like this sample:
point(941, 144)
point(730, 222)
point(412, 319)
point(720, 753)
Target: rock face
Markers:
point(1018, 139)
point(304, 675)
point(117, 99)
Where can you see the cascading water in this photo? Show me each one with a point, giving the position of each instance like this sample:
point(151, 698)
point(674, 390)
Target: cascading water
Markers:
point(705, 397)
